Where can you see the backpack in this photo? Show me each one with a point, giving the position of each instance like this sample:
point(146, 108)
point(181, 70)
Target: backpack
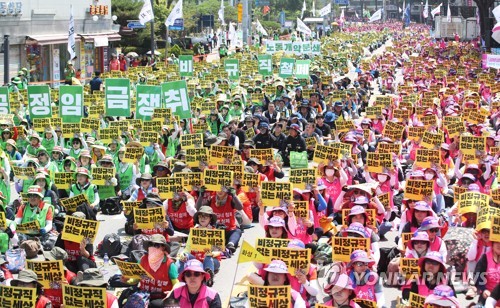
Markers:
point(16, 259)
point(137, 299)
point(111, 206)
point(136, 243)
point(323, 253)
point(110, 245)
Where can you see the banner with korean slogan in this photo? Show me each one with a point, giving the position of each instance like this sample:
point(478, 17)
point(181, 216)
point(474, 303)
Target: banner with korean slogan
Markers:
point(148, 138)
point(196, 157)
point(302, 69)
point(64, 180)
point(4, 100)
point(301, 209)
point(427, 158)
point(471, 202)
point(88, 125)
point(389, 148)
point(365, 303)
point(409, 267)
point(201, 239)
point(286, 67)
point(393, 130)
point(432, 140)
point(276, 193)
point(377, 162)
point(70, 129)
point(495, 229)
point(416, 300)
point(50, 273)
point(325, 154)
point(303, 178)
point(132, 270)
point(175, 96)
point(221, 154)
point(294, 258)
point(216, 180)
point(3, 221)
point(265, 245)
point(17, 297)
point(132, 154)
point(185, 65)
point(249, 254)
point(39, 102)
point(485, 217)
point(471, 144)
point(417, 189)
point(168, 187)
point(147, 99)
point(343, 247)
point(297, 48)
point(236, 169)
point(23, 173)
point(265, 65)
point(70, 204)
point(32, 227)
point(232, 67)
point(190, 180)
point(269, 296)
point(102, 175)
point(40, 124)
point(117, 97)
point(149, 218)
point(76, 229)
point(81, 297)
point(71, 104)
point(191, 141)
point(373, 112)
point(263, 155)
point(250, 182)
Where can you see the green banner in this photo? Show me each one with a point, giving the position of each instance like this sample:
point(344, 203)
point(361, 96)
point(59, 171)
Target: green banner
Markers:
point(71, 103)
point(148, 98)
point(286, 67)
point(117, 97)
point(39, 102)
point(4, 100)
point(302, 69)
point(185, 66)
point(265, 65)
point(175, 96)
point(232, 67)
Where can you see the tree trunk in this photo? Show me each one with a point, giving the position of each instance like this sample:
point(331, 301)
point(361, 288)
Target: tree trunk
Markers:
point(483, 7)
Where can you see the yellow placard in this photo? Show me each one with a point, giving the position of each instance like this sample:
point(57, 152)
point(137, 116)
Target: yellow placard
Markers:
point(152, 126)
point(393, 130)
point(294, 258)
point(265, 245)
point(303, 178)
point(102, 175)
point(88, 125)
point(3, 221)
point(81, 297)
point(365, 303)
point(235, 168)
point(432, 140)
point(471, 202)
point(196, 157)
point(406, 237)
point(269, 296)
point(249, 133)
point(249, 254)
point(132, 270)
point(263, 155)
point(276, 193)
point(132, 154)
point(64, 180)
point(485, 216)
point(409, 267)
point(345, 149)
point(416, 300)
point(168, 187)
point(76, 229)
point(377, 162)
point(250, 182)
point(425, 158)
point(17, 297)
point(471, 144)
point(149, 218)
point(495, 229)
point(49, 273)
point(457, 191)
point(215, 180)
point(192, 141)
point(416, 133)
point(417, 189)
point(23, 173)
point(373, 112)
point(344, 246)
point(32, 227)
point(148, 138)
point(345, 125)
point(455, 129)
point(301, 209)
point(107, 135)
point(70, 129)
point(201, 239)
point(39, 124)
point(325, 154)
point(372, 216)
point(389, 148)
point(190, 179)
point(220, 154)
point(200, 127)
point(70, 204)
point(128, 206)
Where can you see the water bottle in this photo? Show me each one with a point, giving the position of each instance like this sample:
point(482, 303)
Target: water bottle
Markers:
point(453, 273)
point(106, 260)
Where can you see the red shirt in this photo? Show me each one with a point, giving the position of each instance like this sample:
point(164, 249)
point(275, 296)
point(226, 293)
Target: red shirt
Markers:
point(20, 211)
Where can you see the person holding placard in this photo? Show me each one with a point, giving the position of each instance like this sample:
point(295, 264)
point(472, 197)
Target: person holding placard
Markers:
point(418, 245)
point(36, 210)
point(442, 296)
point(111, 189)
point(413, 216)
point(357, 230)
point(77, 145)
point(54, 294)
point(479, 246)
point(34, 143)
point(489, 266)
point(334, 178)
point(304, 282)
point(341, 290)
point(85, 160)
point(127, 173)
point(84, 186)
point(358, 214)
point(50, 139)
point(366, 282)
point(93, 278)
point(293, 143)
point(432, 226)
point(12, 153)
point(144, 184)
point(305, 226)
point(49, 195)
point(284, 212)
point(181, 209)
point(29, 279)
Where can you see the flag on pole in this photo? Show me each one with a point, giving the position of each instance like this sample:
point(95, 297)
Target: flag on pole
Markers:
point(260, 29)
point(175, 14)
point(436, 11)
point(248, 253)
point(495, 12)
point(71, 35)
point(314, 9)
point(407, 15)
point(448, 13)
point(301, 27)
point(341, 18)
point(146, 13)
point(402, 10)
point(425, 13)
point(376, 16)
point(303, 10)
point(221, 12)
point(326, 10)
point(356, 13)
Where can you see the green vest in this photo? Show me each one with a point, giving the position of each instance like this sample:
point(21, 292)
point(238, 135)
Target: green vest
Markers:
point(154, 159)
point(89, 192)
point(49, 145)
point(21, 144)
point(29, 215)
point(125, 177)
point(74, 154)
point(5, 191)
point(27, 183)
point(31, 150)
point(173, 144)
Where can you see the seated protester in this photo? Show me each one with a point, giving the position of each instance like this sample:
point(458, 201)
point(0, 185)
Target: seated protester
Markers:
point(45, 162)
point(264, 139)
point(284, 212)
point(247, 146)
point(164, 228)
point(50, 139)
point(162, 268)
point(341, 290)
point(255, 164)
point(77, 145)
point(432, 226)
point(302, 282)
point(49, 195)
point(414, 214)
point(473, 172)
point(29, 279)
point(432, 274)
point(418, 245)
point(97, 152)
point(356, 229)
point(224, 203)
point(489, 266)
point(334, 178)
point(111, 189)
point(80, 255)
point(358, 214)
point(206, 219)
point(180, 210)
point(293, 143)
point(68, 165)
point(84, 186)
point(5, 185)
point(305, 226)
point(310, 133)
point(85, 160)
point(271, 170)
point(491, 301)
point(127, 173)
point(366, 282)
point(24, 184)
point(154, 154)
point(271, 114)
point(479, 246)
point(437, 175)
point(35, 209)
point(442, 296)
point(57, 158)
point(34, 144)
point(54, 294)
point(11, 150)
point(249, 199)
point(7, 235)
point(93, 278)
point(279, 136)
point(145, 186)
point(276, 228)
point(194, 292)
point(5, 274)
point(160, 170)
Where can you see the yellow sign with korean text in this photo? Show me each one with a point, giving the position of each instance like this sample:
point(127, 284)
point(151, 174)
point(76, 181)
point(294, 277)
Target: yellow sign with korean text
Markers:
point(76, 229)
point(426, 158)
point(128, 206)
point(276, 193)
point(378, 162)
point(64, 180)
point(132, 270)
point(17, 297)
point(168, 187)
point(190, 179)
point(325, 154)
point(303, 178)
point(221, 154)
point(294, 258)
point(215, 180)
point(263, 155)
point(393, 130)
point(416, 300)
point(192, 141)
point(70, 204)
point(49, 273)
point(432, 140)
point(201, 239)
point(417, 189)
point(249, 254)
point(269, 296)
point(409, 267)
point(102, 175)
point(471, 144)
point(132, 154)
point(250, 182)
point(343, 247)
point(196, 157)
point(32, 227)
point(81, 297)
point(265, 245)
point(149, 218)
point(471, 201)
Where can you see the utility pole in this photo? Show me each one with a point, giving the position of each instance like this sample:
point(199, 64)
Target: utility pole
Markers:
point(6, 78)
point(384, 14)
point(153, 34)
point(245, 22)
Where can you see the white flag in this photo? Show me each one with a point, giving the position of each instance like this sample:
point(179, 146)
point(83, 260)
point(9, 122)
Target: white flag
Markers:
point(341, 18)
point(146, 13)
point(376, 16)
point(425, 13)
point(448, 13)
point(314, 9)
point(301, 27)
point(496, 13)
point(436, 11)
point(175, 14)
point(303, 10)
point(260, 29)
point(71, 35)
point(221, 12)
point(326, 10)
point(356, 13)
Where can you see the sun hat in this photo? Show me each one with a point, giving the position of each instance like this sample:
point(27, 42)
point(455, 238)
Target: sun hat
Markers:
point(205, 210)
point(275, 222)
point(12, 143)
point(417, 174)
point(35, 190)
point(341, 282)
point(156, 239)
point(277, 208)
point(474, 187)
point(193, 265)
point(361, 200)
point(161, 164)
point(57, 149)
point(83, 171)
point(106, 159)
point(277, 267)
point(56, 253)
point(442, 295)
point(295, 127)
point(85, 153)
point(422, 206)
point(91, 277)
point(429, 222)
point(357, 210)
point(361, 256)
point(79, 215)
point(26, 276)
point(418, 236)
point(144, 176)
point(469, 176)
point(295, 243)
point(263, 125)
point(432, 255)
point(357, 228)
point(255, 161)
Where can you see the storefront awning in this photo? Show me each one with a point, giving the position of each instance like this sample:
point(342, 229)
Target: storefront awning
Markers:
point(52, 39)
point(101, 39)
